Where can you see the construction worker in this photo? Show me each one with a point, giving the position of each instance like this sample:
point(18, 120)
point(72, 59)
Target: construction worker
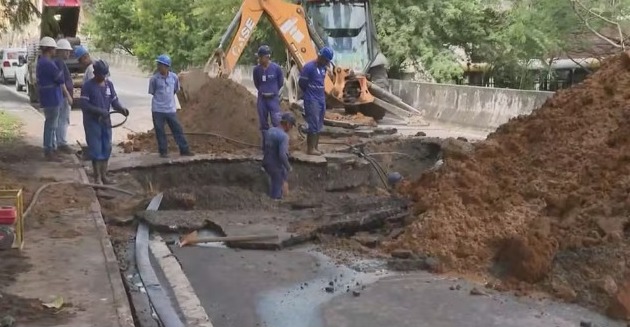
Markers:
point(83, 56)
point(276, 156)
point(311, 83)
point(97, 96)
point(268, 79)
point(52, 90)
point(163, 86)
point(62, 54)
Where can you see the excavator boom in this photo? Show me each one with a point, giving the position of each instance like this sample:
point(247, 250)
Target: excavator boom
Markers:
point(342, 85)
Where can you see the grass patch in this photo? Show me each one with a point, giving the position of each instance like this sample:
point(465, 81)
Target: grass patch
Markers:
point(10, 127)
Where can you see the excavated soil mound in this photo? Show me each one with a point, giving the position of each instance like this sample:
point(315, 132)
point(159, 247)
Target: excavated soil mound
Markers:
point(543, 193)
point(217, 106)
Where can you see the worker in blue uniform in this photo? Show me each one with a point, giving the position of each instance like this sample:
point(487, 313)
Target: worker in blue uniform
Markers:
point(97, 96)
point(268, 79)
point(276, 156)
point(52, 91)
point(311, 83)
point(163, 86)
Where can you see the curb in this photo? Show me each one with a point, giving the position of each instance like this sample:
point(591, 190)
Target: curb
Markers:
point(120, 299)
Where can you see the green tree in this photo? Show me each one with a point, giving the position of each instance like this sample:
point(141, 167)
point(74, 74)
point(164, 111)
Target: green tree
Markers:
point(16, 13)
point(113, 24)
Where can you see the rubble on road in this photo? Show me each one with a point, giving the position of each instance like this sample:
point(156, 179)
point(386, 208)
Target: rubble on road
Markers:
point(543, 202)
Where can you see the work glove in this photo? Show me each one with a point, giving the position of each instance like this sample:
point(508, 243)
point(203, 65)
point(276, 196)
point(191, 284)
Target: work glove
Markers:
point(123, 111)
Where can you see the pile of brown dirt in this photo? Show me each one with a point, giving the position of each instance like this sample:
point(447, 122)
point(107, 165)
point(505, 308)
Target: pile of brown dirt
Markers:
point(219, 106)
point(543, 194)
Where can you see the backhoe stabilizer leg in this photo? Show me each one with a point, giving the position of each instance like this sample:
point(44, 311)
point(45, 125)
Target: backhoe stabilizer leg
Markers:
point(405, 115)
point(386, 96)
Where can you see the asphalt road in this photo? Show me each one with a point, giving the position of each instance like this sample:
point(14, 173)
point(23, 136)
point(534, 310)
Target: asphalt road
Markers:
point(132, 91)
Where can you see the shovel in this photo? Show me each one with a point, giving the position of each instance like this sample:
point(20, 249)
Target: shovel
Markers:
point(193, 238)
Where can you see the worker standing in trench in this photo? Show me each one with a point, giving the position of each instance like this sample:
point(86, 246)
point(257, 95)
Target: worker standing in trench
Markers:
point(268, 79)
point(163, 86)
point(63, 53)
point(276, 156)
point(52, 90)
point(97, 97)
point(311, 83)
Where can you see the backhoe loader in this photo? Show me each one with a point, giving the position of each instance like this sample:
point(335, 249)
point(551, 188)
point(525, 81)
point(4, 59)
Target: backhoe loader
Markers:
point(344, 87)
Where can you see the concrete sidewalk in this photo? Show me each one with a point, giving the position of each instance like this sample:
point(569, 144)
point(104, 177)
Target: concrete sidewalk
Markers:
point(66, 240)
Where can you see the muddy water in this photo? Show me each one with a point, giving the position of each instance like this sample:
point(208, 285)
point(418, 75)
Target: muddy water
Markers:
point(298, 305)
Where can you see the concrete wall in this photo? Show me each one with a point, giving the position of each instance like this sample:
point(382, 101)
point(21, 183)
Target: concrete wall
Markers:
point(467, 106)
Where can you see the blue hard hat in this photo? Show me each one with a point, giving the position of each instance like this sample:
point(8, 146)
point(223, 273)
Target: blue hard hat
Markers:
point(326, 53)
point(264, 50)
point(80, 51)
point(288, 117)
point(101, 68)
point(164, 60)
point(394, 177)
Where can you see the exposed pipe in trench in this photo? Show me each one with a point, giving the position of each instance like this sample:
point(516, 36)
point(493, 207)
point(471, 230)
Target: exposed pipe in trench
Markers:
point(157, 294)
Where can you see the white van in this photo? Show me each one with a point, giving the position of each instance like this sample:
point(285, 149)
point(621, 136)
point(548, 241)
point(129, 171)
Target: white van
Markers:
point(9, 62)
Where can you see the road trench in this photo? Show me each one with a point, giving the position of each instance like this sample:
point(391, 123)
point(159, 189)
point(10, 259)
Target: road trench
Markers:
point(341, 197)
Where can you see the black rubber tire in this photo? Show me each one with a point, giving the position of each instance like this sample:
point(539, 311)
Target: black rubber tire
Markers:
point(2, 79)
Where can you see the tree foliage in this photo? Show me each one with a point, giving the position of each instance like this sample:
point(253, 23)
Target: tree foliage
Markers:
point(16, 13)
point(411, 32)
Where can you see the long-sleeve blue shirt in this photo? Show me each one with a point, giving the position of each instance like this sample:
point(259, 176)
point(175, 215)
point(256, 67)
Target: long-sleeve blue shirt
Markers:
point(97, 99)
point(312, 78)
point(61, 64)
point(49, 80)
point(276, 153)
point(268, 81)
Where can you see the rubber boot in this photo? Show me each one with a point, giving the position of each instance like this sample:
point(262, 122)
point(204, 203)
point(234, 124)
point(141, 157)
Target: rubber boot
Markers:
point(316, 144)
point(311, 140)
point(96, 167)
point(104, 167)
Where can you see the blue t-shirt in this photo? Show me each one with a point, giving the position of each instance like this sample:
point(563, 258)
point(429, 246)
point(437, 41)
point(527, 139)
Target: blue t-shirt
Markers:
point(163, 88)
point(49, 80)
point(268, 80)
point(312, 79)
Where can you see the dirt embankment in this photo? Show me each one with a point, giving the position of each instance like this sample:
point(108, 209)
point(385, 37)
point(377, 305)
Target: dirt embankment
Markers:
point(544, 201)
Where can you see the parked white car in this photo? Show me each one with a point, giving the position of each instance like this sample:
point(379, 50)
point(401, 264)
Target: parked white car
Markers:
point(9, 61)
point(21, 75)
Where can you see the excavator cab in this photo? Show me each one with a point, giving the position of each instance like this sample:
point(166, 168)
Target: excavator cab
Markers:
point(348, 28)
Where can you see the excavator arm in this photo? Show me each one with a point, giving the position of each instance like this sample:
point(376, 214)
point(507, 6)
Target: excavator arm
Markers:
point(343, 86)
point(292, 26)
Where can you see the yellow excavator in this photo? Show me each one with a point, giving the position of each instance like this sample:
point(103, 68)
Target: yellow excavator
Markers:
point(344, 86)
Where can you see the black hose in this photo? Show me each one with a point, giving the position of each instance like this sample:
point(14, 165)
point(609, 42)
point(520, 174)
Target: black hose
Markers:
point(157, 294)
point(119, 124)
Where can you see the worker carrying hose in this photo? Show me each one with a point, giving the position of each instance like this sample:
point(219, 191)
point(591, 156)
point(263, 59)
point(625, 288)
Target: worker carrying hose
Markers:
point(268, 79)
point(276, 156)
point(311, 83)
point(163, 86)
point(97, 96)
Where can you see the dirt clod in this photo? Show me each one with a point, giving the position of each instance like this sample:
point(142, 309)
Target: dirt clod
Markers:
point(554, 182)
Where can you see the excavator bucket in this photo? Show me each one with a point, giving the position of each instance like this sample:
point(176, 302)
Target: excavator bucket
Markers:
point(215, 67)
point(190, 82)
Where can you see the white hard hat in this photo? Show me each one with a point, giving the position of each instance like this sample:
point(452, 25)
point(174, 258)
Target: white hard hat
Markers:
point(48, 42)
point(63, 44)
